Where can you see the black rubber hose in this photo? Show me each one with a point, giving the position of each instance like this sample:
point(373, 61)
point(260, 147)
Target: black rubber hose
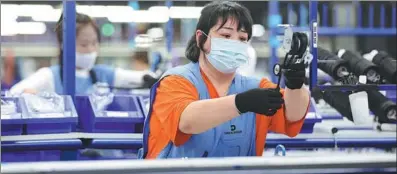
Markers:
point(360, 66)
point(331, 64)
point(339, 101)
point(387, 66)
point(383, 108)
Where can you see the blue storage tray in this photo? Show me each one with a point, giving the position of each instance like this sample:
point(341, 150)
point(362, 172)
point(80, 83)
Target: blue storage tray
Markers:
point(12, 124)
point(312, 118)
point(49, 123)
point(31, 156)
point(123, 115)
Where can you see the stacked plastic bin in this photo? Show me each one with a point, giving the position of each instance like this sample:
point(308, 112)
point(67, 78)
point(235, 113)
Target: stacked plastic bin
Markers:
point(26, 122)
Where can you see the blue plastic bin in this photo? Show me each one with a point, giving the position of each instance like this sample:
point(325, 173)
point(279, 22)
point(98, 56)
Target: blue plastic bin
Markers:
point(11, 124)
point(123, 115)
point(49, 123)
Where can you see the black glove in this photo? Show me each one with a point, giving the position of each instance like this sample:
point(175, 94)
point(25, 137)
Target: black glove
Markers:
point(294, 74)
point(149, 81)
point(260, 101)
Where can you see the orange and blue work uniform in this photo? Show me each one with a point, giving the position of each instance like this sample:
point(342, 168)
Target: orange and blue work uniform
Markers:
point(242, 136)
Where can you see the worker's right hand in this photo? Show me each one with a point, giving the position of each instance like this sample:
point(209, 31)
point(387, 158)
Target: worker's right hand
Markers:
point(260, 101)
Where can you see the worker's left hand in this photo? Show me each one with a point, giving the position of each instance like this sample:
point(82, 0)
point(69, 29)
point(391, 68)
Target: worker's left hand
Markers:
point(294, 74)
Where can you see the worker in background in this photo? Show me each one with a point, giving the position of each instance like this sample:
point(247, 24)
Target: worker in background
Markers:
point(9, 71)
point(140, 61)
point(87, 73)
point(206, 109)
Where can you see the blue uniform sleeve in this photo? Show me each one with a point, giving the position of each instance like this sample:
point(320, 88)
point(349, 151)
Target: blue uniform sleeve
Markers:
point(105, 74)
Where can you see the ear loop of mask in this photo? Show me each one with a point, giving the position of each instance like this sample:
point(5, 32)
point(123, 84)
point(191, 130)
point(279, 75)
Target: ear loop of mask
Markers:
point(250, 59)
point(202, 32)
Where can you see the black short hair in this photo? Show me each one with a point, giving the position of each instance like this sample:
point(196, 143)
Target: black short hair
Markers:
point(210, 15)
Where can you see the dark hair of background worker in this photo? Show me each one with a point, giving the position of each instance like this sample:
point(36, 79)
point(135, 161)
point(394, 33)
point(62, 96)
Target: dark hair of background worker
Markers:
point(140, 61)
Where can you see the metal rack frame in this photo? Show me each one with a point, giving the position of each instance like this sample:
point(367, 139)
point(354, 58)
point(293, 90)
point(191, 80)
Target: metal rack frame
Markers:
point(325, 30)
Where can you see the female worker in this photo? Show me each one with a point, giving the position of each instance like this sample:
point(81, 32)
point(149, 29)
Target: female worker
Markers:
point(205, 109)
point(87, 73)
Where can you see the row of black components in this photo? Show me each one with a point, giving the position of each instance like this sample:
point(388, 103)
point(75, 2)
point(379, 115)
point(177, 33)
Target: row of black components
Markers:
point(376, 65)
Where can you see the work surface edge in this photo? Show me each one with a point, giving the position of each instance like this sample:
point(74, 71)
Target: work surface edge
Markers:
point(81, 135)
point(231, 163)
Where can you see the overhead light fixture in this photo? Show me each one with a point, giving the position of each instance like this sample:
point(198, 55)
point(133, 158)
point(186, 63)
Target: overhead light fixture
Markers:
point(115, 14)
point(31, 28)
point(179, 12)
point(185, 12)
point(9, 12)
point(8, 28)
point(23, 28)
point(95, 11)
point(52, 16)
point(30, 10)
point(140, 16)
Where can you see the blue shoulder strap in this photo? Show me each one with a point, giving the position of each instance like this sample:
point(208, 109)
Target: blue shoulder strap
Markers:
point(142, 152)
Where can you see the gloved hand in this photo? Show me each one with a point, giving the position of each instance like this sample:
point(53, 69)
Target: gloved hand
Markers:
point(149, 81)
point(261, 101)
point(294, 74)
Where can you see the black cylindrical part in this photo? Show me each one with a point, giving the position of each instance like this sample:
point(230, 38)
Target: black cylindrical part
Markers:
point(387, 66)
point(335, 67)
point(360, 66)
point(340, 101)
point(381, 106)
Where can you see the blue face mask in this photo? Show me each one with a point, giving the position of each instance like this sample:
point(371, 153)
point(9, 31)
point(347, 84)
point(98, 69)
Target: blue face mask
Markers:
point(227, 55)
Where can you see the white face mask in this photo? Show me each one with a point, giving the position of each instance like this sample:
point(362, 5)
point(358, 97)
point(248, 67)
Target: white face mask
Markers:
point(86, 61)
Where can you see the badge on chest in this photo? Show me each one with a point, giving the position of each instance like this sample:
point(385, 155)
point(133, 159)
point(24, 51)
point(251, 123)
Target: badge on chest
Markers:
point(236, 128)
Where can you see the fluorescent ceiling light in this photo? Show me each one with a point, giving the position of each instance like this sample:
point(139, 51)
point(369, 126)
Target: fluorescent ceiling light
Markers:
point(8, 28)
point(8, 12)
point(31, 10)
point(24, 28)
point(185, 12)
point(140, 16)
point(47, 17)
point(180, 12)
point(95, 11)
point(116, 14)
point(33, 28)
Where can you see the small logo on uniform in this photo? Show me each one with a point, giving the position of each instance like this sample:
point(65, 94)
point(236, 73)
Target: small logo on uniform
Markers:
point(232, 127)
point(233, 130)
